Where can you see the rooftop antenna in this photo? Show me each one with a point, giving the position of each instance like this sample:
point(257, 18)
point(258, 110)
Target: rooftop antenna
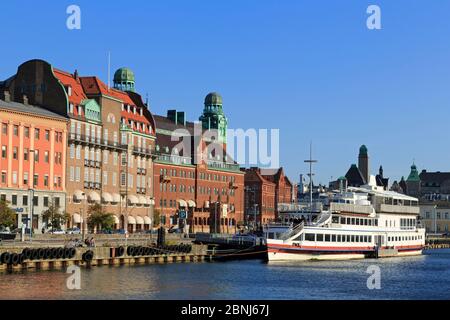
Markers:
point(146, 99)
point(109, 70)
point(311, 162)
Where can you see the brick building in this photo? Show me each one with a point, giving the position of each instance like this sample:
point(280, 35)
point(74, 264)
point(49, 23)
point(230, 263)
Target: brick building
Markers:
point(33, 159)
point(111, 134)
point(259, 197)
point(194, 176)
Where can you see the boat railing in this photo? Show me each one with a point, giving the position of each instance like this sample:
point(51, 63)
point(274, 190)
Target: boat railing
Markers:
point(292, 232)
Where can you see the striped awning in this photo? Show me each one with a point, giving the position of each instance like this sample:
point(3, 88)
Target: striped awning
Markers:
point(132, 199)
point(182, 203)
point(150, 201)
point(76, 218)
point(147, 220)
point(139, 220)
point(131, 220)
point(191, 204)
point(115, 198)
point(94, 197)
point(78, 195)
point(107, 197)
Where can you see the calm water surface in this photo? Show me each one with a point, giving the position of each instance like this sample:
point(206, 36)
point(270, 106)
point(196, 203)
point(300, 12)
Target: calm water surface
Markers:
point(423, 277)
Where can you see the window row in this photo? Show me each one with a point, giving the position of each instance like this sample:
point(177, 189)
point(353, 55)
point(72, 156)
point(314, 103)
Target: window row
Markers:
point(24, 200)
point(57, 180)
point(319, 237)
point(37, 132)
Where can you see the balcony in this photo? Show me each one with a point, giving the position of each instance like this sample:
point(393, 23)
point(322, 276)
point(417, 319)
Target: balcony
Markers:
point(142, 151)
point(92, 163)
point(388, 208)
point(223, 165)
point(142, 171)
point(101, 143)
point(92, 185)
point(141, 190)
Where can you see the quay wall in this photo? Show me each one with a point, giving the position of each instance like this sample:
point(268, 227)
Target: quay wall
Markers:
point(106, 256)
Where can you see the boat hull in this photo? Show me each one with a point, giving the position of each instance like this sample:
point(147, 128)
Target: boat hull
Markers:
point(283, 256)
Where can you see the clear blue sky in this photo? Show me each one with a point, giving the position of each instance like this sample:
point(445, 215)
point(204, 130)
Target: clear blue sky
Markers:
point(310, 68)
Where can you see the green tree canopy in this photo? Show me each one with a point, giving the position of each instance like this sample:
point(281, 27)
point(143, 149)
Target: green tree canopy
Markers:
point(7, 215)
point(53, 216)
point(156, 217)
point(99, 218)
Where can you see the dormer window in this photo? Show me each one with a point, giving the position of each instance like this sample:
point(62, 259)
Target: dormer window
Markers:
point(141, 112)
point(134, 110)
point(128, 108)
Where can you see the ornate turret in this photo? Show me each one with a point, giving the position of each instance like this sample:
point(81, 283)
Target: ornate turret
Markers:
point(124, 80)
point(213, 117)
point(363, 163)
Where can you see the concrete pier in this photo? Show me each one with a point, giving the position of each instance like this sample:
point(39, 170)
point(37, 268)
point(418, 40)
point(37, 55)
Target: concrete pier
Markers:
point(104, 256)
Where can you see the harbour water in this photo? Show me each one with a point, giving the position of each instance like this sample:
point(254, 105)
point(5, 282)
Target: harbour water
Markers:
point(421, 277)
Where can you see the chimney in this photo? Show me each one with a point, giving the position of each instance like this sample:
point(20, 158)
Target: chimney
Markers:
point(75, 75)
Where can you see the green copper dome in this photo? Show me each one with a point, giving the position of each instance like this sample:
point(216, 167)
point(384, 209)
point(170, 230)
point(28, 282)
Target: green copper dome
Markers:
point(363, 150)
point(124, 75)
point(414, 174)
point(213, 99)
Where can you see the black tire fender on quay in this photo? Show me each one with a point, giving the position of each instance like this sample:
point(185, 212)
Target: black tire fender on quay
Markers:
point(5, 258)
point(88, 256)
point(41, 253)
point(73, 252)
point(14, 259)
point(120, 251)
point(60, 253)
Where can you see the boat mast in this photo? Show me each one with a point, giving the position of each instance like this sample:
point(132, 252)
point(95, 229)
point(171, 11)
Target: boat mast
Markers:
point(310, 161)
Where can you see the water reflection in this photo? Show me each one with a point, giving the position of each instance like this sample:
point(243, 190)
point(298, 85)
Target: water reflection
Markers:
point(422, 277)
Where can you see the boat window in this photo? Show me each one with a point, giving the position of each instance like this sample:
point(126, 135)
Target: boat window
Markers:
point(347, 237)
point(333, 238)
point(339, 238)
point(342, 220)
point(356, 238)
point(353, 221)
point(319, 237)
point(366, 222)
point(327, 238)
point(310, 237)
point(357, 221)
point(352, 239)
point(370, 238)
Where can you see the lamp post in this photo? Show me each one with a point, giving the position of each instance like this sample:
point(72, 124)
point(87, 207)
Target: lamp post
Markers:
point(32, 195)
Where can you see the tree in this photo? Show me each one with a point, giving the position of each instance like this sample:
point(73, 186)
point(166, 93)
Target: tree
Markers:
point(7, 215)
point(156, 217)
point(99, 218)
point(53, 216)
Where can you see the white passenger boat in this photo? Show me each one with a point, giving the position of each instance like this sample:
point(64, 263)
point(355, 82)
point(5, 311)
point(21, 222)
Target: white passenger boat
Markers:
point(359, 222)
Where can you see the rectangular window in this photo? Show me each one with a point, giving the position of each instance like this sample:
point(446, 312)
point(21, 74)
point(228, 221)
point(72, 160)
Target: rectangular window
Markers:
point(14, 177)
point(46, 180)
point(3, 177)
point(319, 237)
point(35, 201)
point(16, 130)
point(14, 199)
point(123, 179)
point(46, 160)
point(15, 153)
point(24, 200)
point(72, 174)
point(5, 128)
point(46, 202)
point(36, 180)
point(47, 135)
point(25, 178)
point(4, 152)
point(105, 178)
point(114, 179)
point(57, 202)
point(36, 155)
point(310, 237)
point(25, 154)
point(37, 133)
point(327, 238)
point(77, 174)
point(26, 132)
